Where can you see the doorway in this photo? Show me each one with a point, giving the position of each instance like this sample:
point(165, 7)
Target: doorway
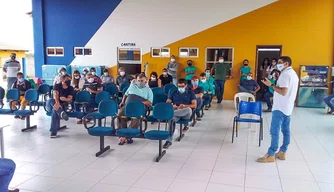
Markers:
point(263, 52)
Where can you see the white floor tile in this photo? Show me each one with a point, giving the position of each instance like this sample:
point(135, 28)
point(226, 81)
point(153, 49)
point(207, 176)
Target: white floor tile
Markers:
point(60, 171)
point(40, 183)
point(93, 175)
point(212, 187)
point(194, 174)
point(121, 178)
point(263, 182)
point(108, 188)
point(293, 186)
point(326, 187)
point(33, 168)
point(153, 183)
point(180, 185)
point(19, 179)
point(227, 178)
point(74, 185)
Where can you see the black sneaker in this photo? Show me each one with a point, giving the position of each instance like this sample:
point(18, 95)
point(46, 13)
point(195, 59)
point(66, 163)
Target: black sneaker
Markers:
point(167, 144)
point(185, 129)
point(206, 108)
point(64, 116)
point(16, 117)
point(53, 135)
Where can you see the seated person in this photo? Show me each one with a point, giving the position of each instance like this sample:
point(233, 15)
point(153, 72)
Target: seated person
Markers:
point(84, 72)
point(77, 81)
point(7, 169)
point(199, 91)
point(123, 78)
point(22, 85)
point(106, 78)
point(96, 78)
point(61, 72)
point(165, 78)
point(154, 81)
point(138, 91)
point(249, 85)
point(93, 87)
point(209, 90)
point(63, 94)
point(273, 77)
point(183, 102)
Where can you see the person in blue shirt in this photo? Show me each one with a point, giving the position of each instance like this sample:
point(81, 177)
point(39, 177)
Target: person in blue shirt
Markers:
point(249, 85)
point(183, 101)
point(138, 91)
point(199, 92)
point(244, 70)
point(209, 90)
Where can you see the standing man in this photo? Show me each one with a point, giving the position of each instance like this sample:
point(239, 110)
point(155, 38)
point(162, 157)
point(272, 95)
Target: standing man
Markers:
point(221, 71)
point(172, 69)
point(190, 71)
point(285, 92)
point(11, 68)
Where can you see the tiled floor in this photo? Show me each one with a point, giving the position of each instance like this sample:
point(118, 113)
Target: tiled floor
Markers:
point(204, 161)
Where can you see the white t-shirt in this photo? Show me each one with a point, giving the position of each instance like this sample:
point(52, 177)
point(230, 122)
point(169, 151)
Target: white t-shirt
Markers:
point(290, 80)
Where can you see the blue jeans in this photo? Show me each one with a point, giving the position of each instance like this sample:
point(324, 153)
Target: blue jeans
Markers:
point(279, 121)
point(199, 106)
point(55, 116)
point(267, 96)
point(220, 84)
point(7, 168)
point(328, 99)
point(207, 98)
point(10, 82)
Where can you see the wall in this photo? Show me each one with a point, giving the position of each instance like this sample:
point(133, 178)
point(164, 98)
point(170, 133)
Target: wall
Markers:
point(5, 55)
point(303, 28)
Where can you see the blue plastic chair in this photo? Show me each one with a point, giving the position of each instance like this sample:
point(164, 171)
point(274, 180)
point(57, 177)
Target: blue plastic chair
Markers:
point(169, 87)
point(44, 90)
point(124, 85)
point(112, 89)
point(107, 108)
point(82, 98)
point(31, 96)
point(157, 90)
point(101, 96)
point(250, 108)
point(13, 95)
point(133, 110)
point(157, 98)
point(163, 112)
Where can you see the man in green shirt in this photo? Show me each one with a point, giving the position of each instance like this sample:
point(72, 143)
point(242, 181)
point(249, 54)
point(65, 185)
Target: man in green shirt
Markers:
point(190, 71)
point(221, 71)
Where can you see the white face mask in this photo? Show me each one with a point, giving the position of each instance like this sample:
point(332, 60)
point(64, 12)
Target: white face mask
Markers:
point(122, 73)
point(249, 78)
point(172, 60)
point(280, 66)
point(203, 80)
point(90, 80)
point(105, 73)
point(221, 61)
point(93, 73)
point(77, 77)
point(164, 73)
point(270, 76)
point(153, 78)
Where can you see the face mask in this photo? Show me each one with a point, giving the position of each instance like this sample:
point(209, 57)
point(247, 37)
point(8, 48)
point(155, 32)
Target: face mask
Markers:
point(76, 77)
point(153, 78)
point(90, 80)
point(203, 80)
point(221, 61)
point(172, 60)
point(68, 82)
point(164, 73)
point(141, 84)
point(195, 83)
point(122, 73)
point(207, 74)
point(21, 80)
point(105, 73)
point(63, 73)
point(280, 66)
point(245, 64)
point(85, 72)
point(190, 64)
point(270, 76)
point(93, 73)
point(249, 78)
point(181, 89)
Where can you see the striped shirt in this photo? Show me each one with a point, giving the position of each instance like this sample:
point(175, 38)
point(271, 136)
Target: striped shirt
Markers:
point(12, 67)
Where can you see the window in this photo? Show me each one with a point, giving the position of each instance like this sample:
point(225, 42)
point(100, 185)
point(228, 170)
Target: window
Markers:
point(82, 51)
point(129, 55)
point(55, 51)
point(160, 52)
point(213, 54)
point(188, 52)
point(88, 51)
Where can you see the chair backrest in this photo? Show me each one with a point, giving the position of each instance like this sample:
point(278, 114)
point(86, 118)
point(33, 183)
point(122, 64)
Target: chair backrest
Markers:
point(108, 108)
point(13, 94)
point(2, 93)
point(135, 109)
point(124, 85)
point(124, 90)
point(168, 87)
point(110, 85)
point(44, 89)
point(103, 95)
point(163, 111)
point(251, 108)
point(242, 97)
point(31, 95)
point(157, 90)
point(159, 98)
point(112, 90)
point(82, 97)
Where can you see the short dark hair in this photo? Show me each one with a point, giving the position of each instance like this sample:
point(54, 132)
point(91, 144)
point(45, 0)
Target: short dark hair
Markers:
point(62, 69)
point(93, 68)
point(154, 73)
point(246, 60)
point(19, 73)
point(105, 70)
point(76, 72)
point(182, 81)
point(140, 75)
point(164, 69)
point(202, 75)
point(286, 59)
point(207, 69)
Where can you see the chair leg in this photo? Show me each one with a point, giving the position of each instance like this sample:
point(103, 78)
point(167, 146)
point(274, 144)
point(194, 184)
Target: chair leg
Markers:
point(102, 148)
point(233, 131)
point(28, 127)
point(181, 134)
point(99, 122)
point(236, 129)
point(62, 127)
point(161, 152)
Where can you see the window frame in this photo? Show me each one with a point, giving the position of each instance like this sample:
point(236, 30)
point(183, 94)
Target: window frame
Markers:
point(188, 56)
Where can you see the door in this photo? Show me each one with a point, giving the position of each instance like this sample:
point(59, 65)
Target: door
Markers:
point(265, 52)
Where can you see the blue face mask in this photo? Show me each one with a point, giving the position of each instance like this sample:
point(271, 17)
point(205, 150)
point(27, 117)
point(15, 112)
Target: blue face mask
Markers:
point(141, 84)
point(181, 89)
point(280, 66)
point(21, 80)
point(207, 74)
point(195, 83)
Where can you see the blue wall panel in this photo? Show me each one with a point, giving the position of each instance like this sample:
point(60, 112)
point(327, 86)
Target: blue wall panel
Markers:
point(68, 24)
